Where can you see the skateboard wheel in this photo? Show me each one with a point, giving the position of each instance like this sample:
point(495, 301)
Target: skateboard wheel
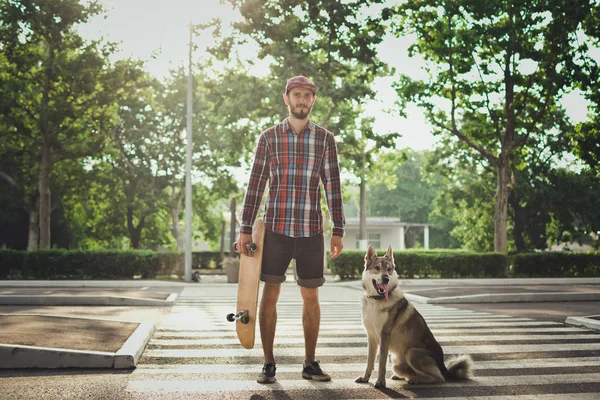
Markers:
point(245, 319)
point(231, 317)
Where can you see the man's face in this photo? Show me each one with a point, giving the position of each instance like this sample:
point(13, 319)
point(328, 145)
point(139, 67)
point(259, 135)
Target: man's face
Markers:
point(300, 102)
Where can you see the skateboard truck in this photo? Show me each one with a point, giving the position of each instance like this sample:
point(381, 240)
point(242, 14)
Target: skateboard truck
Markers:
point(243, 316)
point(251, 247)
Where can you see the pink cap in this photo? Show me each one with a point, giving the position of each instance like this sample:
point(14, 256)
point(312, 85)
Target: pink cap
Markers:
point(300, 81)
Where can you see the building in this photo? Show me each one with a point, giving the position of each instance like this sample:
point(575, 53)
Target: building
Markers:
point(382, 232)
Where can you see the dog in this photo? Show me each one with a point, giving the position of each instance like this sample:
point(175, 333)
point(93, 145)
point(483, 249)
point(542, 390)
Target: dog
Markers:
point(393, 324)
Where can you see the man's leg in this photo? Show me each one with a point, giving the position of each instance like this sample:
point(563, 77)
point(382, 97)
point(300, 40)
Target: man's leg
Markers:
point(267, 318)
point(311, 320)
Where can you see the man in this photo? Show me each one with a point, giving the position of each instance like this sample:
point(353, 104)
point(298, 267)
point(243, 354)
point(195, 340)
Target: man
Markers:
point(295, 156)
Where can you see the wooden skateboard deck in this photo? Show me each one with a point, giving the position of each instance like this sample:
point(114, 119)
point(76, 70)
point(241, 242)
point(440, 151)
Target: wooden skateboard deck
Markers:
point(248, 285)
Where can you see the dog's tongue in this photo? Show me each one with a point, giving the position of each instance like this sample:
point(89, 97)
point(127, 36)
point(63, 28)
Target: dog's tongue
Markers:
point(384, 287)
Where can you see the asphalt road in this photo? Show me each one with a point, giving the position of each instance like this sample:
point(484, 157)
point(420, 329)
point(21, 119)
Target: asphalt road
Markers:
point(520, 350)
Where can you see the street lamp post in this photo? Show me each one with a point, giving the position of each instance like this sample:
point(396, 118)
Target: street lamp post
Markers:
point(188, 171)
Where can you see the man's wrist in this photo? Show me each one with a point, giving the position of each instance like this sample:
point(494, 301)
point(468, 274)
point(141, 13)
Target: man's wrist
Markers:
point(246, 229)
point(337, 232)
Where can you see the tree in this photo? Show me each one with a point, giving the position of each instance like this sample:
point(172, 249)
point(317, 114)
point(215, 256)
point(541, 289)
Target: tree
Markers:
point(332, 42)
point(57, 102)
point(479, 90)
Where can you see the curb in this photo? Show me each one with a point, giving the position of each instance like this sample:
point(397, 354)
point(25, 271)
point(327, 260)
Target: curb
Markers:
point(587, 322)
point(21, 356)
point(507, 298)
point(84, 300)
point(91, 283)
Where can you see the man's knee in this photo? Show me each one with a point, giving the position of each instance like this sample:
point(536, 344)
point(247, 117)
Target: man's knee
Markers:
point(310, 294)
point(271, 291)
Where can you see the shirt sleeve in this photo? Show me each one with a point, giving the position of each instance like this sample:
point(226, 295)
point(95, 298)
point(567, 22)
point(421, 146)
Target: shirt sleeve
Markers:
point(256, 185)
point(330, 176)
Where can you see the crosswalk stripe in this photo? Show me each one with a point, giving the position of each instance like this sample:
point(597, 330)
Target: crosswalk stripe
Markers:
point(358, 351)
point(525, 330)
point(341, 384)
point(360, 367)
point(299, 339)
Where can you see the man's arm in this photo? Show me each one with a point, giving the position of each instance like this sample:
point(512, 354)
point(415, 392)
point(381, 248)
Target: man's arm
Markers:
point(256, 186)
point(330, 176)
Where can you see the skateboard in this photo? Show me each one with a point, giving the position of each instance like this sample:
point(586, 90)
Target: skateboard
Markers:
point(248, 284)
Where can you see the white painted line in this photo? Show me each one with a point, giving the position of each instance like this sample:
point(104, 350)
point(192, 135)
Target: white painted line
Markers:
point(153, 386)
point(525, 297)
point(361, 331)
point(197, 369)
point(362, 351)
point(299, 339)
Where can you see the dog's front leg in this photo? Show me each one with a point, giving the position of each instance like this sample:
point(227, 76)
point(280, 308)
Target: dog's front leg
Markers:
point(384, 348)
point(370, 360)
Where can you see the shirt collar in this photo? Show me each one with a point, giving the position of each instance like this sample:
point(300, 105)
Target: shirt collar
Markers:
point(288, 127)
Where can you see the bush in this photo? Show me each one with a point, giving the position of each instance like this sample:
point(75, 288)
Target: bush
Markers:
point(426, 264)
point(555, 264)
point(78, 264)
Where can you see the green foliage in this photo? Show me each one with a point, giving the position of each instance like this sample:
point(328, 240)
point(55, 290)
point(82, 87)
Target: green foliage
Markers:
point(555, 265)
point(52, 93)
point(462, 264)
point(426, 264)
point(332, 42)
point(477, 89)
point(65, 264)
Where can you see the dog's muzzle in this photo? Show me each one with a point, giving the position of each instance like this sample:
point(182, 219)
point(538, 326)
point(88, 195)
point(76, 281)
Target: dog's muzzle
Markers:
point(382, 287)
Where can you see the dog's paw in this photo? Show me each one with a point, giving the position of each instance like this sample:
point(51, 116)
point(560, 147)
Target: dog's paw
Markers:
point(362, 379)
point(380, 384)
point(397, 378)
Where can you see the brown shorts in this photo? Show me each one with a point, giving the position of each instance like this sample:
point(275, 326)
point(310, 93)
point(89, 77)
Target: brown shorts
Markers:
point(279, 251)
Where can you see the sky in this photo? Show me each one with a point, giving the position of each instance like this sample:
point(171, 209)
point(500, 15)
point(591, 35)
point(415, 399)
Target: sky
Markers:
point(156, 31)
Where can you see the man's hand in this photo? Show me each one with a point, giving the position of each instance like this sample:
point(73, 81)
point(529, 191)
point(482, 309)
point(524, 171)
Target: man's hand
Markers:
point(243, 240)
point(336, 246)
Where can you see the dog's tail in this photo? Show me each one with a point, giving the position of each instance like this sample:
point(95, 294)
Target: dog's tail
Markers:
point(460, 368)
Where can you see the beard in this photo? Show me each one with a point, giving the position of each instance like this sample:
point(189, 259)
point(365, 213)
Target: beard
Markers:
point(300, 113)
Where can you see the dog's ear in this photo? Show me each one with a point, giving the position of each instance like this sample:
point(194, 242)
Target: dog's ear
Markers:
point(390, 254)
point(370, 254)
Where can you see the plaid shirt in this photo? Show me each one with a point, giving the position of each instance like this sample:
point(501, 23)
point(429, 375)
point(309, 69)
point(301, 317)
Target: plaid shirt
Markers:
point(295, 165)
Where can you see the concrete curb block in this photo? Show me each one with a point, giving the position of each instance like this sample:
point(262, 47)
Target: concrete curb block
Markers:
point(83, 300)
point(129, 354)
point(507, 298)
point(18, 356)
point(584, 321)
point(22, 356)
point(92, 283)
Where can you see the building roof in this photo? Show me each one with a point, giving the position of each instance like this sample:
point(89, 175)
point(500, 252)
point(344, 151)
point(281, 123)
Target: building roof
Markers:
point(381, 221)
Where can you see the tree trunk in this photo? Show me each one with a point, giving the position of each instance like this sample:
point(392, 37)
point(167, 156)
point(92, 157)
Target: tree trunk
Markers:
point(519, 221)
point(45, 196)
point(175, 211)
point(46, 161)
point(135, 233)
point(33, 237)
point(232, 225)
point(222, 254)
point(501, 209)
point(362, 228)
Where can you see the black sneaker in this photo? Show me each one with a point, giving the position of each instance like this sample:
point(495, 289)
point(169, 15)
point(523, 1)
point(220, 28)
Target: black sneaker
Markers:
point(267, 375)
point(313, 371)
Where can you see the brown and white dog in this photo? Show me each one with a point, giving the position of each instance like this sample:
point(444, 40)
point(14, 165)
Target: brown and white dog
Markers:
point(393, 324)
